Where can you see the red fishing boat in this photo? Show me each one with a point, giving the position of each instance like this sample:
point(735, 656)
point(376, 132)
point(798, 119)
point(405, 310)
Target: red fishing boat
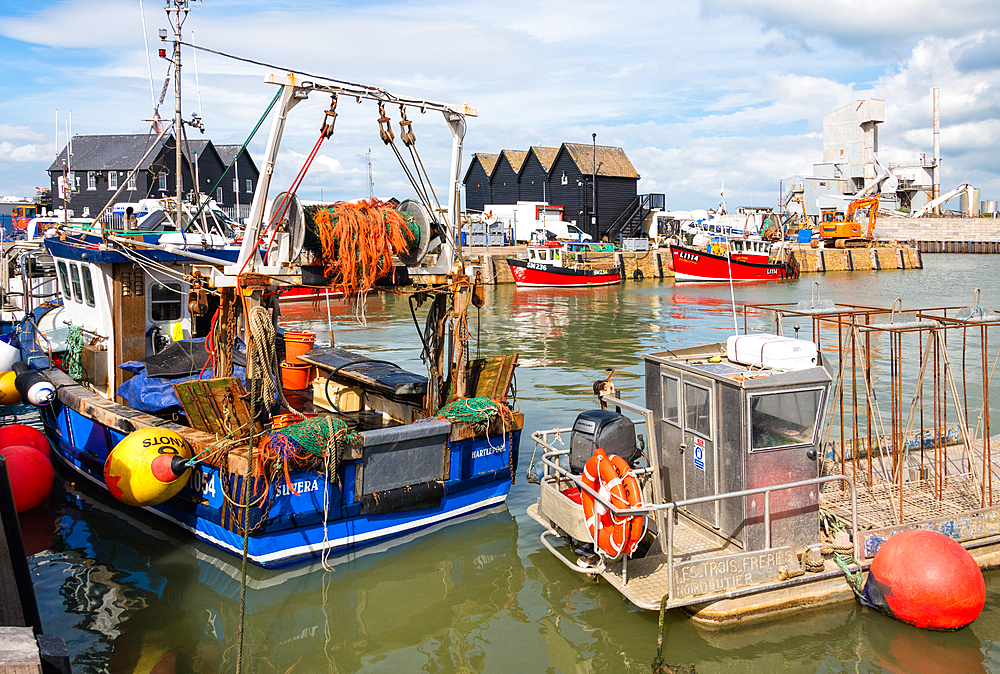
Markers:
point(742, 260)
point(304, 294)
point(551, 264)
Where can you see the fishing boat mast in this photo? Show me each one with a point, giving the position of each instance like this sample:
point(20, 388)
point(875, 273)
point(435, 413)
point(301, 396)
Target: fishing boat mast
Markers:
point(177, 11)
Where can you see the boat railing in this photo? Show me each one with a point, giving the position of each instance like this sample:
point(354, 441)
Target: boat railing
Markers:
point(664, 512)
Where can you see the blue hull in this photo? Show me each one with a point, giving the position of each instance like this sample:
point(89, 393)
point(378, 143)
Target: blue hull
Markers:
point(302, 519)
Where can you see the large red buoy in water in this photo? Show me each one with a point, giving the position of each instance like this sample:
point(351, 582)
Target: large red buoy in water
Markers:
point(926, 579)
point(31, 476)
point(19, 434)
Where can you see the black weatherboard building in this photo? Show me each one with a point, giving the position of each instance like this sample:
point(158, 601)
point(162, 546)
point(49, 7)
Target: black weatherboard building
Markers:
point(102, 164)
point(562, 176)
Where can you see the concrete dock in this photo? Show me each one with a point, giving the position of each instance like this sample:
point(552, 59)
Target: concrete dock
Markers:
point(655, 263)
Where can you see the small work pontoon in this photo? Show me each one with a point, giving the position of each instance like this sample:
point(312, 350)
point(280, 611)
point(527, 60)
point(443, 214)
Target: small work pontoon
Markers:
point(774, 464)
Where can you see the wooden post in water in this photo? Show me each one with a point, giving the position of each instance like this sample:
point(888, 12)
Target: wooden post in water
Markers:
point(17, 595)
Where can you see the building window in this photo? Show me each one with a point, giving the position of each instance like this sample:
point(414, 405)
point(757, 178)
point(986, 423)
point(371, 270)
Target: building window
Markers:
point(91, 180)
point(249, 187)
point(165, 302)
point(163, 182)
point(131, 182)
point(218, 195)
point(113, 180)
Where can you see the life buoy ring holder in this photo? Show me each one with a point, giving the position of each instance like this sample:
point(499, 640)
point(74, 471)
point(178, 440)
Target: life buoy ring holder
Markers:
point(611, 477)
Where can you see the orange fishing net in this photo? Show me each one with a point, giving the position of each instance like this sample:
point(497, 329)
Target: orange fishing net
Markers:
point(359, 240)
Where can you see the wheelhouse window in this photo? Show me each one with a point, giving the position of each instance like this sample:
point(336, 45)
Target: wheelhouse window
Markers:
point(74, 275)
point(698, 410)
point(672, 400)
point(786, 419)
point(165, 302)
point(88, 286)
point(64, 280)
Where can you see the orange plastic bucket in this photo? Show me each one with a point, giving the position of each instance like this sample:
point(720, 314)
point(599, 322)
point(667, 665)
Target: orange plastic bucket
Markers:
point(297, 343)
point(282, 420)
point(295, 376)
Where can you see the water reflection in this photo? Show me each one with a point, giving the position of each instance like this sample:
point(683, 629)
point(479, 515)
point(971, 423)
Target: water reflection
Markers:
point(480, 595)
point(156, 603)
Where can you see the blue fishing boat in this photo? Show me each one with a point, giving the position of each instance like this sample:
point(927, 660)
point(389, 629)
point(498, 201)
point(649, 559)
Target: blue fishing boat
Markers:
point(172, 384)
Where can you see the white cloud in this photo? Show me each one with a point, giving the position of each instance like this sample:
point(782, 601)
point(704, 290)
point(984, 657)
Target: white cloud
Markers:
point(18, 132)
point(719, 90)
point(26, 153)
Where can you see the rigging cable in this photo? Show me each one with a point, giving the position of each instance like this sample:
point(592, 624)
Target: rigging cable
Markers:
point(284, 69)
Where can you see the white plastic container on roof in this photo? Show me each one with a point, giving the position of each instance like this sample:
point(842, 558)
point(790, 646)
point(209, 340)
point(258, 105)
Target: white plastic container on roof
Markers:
point(771, 351)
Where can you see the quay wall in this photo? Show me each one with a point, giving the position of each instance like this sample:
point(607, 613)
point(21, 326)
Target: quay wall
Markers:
point(944, 235)
point(655, 263)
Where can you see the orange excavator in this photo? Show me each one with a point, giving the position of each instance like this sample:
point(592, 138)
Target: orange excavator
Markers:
point(844, 230)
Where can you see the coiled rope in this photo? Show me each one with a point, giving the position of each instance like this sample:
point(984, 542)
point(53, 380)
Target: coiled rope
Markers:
point(74, 344)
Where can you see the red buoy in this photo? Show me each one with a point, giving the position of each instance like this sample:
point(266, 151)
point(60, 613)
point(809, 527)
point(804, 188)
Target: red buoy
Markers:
point(926, 579)
point(31, 476)
point(19, 434)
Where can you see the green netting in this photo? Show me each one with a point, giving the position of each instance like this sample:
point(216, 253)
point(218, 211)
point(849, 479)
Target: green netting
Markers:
point(311, 435)
point(475, 411)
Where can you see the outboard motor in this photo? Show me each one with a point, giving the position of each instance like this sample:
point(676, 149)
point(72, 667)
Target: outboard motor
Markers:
point(612, 432)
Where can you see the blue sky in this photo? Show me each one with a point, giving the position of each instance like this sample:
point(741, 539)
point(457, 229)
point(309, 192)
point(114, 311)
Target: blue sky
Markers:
point(697, 93)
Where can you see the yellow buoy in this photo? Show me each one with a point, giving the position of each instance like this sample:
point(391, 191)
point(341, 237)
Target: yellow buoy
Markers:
point(148, 467)
point(8, 392)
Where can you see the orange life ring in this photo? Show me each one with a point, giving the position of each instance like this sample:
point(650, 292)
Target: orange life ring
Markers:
point(611, 476)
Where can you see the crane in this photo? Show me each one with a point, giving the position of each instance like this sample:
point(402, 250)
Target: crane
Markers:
point(931, 205)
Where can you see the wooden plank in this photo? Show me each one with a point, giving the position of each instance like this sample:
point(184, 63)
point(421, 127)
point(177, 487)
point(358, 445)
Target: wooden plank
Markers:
point(461, 430)
point(18, 651)
point(495, 377)
point(18, 606)
point(205, 401)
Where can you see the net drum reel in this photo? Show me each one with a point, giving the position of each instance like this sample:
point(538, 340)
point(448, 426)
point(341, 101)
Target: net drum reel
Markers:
point(290, 225)
point(424, 222)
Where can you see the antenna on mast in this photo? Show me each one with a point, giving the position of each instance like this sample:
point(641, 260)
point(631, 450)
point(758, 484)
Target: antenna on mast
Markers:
point(371, 182)
point(197, 81)
point(149, 65)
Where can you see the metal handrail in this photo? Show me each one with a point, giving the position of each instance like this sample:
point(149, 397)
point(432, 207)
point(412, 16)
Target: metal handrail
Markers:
point(669, 508)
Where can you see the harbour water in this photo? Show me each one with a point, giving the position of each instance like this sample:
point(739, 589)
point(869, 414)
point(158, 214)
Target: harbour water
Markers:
point(131, 595)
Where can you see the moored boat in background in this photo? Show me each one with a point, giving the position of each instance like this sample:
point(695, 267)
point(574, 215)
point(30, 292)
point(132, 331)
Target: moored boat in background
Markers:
point(739, 260)
point(553, 264)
